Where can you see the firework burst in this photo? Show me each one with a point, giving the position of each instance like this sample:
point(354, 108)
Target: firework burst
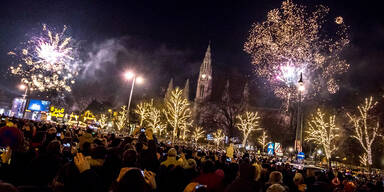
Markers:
point(47, 61)
point(298, 40)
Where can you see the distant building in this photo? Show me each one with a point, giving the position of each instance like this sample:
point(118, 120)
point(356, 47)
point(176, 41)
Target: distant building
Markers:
point(220, 112)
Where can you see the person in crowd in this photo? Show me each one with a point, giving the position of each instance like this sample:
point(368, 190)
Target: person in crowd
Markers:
point(276, 177)
point(48, 157)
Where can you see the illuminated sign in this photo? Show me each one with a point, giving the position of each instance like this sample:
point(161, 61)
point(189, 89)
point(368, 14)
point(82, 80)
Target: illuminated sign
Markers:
point(88, 116)
point(56, 112)
point(271, 148)
point(38, 105)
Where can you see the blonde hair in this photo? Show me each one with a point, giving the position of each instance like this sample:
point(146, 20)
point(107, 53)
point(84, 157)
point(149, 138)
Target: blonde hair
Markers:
point(298, 179)
point(257, 171)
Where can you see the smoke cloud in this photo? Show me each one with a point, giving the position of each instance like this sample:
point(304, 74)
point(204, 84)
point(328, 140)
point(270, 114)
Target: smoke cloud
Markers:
point(105, 63)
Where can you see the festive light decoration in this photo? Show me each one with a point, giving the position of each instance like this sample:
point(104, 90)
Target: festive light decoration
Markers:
point(103, 121)
point(263, 140)
point(218, 137)
point(247, 123)
point(366, 128)
point(88, 116)
point(73, 119)
point(143, 109)
point(177, 111)
point(47, 62)
point(323, 132)
point(364, 159)
point(121, 118)
point(197, 134)
point(56, 112)
point(184, 129)
point(295, 40)
point(154, 120)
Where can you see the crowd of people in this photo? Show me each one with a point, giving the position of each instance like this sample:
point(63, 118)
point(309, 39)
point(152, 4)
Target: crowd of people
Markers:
point(37, 156)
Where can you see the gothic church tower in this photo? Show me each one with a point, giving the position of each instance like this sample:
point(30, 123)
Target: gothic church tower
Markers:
point(204, 83)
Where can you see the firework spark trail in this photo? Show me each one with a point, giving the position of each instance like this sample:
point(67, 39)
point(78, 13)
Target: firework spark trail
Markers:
point(47, 61)
point(295, 40)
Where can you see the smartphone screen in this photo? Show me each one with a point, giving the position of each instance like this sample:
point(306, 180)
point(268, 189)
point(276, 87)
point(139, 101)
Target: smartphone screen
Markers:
point(58, 134)
point(67, 145)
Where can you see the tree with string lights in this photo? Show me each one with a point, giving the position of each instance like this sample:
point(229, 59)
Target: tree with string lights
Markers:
point(248, 123)
point(263, 140)
point(177, 111)
point(323, 132)
point(142, 109)
point(366, 128)
point(218, 137)
point(154, 120)
point(103, 121)
point(197, 134)
point(122, 119)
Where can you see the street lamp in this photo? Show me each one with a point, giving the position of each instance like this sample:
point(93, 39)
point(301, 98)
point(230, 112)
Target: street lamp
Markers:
point(128, 76)
point(299, 124)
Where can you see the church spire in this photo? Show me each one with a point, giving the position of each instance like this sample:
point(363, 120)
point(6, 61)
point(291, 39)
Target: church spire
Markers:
point(204, 83)
point(186, 90)
point(169, 89)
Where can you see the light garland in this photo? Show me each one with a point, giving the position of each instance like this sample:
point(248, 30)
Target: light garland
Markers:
point(121, 118)
point(323, 132)
point(177, 111)
point(364, 131)
point(197, 133)
point(247, 123)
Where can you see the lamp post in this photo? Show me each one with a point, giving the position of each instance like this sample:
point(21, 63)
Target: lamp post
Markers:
point(299, 124)
point(130, 75)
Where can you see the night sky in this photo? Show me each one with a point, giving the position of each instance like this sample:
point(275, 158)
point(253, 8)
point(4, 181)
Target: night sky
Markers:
point(164, 39)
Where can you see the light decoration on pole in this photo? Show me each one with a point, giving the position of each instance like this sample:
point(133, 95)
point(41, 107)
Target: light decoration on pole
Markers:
point(293, 40)
point(121, 118)
point(263, 140)
point(177, 111)
point(143, 110)
point(247, 123)
point(48, 61)
point(366, 129)
point(197, 134)
point(218, 137)
point(323, 132)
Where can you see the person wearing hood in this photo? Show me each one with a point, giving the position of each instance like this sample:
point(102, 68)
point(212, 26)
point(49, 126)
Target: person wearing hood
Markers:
point(171, 159)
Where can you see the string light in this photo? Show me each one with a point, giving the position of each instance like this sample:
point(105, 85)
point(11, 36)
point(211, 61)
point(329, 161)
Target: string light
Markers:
point(323, 132)
point(154, 120)
point(121, 119)
point(197, 134)
point(218, 136)
point(103, 121)
point(263, 140)
point(366, 130)
point(247, 123)
point(143, 109)
point(177, 111)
